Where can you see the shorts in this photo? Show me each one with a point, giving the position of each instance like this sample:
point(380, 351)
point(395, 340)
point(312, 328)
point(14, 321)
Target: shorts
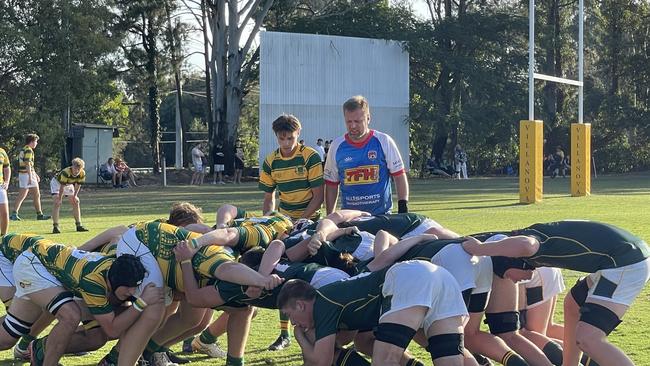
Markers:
point(434, 288)
point(458, 263)
point(31, 276)
point(23, 179)
point(6, 272)
point(68, 189)
point(619, 285)
point(546, 283)
point(130, 244)
point(420, 229)
point(366, 249)
point(327, 275)
point(198, 167)
point(483, 275)
point(219, 167)
point(239, 164)
point(3, 196)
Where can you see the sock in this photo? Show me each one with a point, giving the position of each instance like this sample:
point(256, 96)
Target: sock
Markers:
point(56, 224)
point(153, 347)
point(414, 362)
point(587, 361)
point(513, 359)
point(350, 357)
point(234, 361)
point(553, 352)
point(24, 341)
point(78, 223)
point(39, 213)
point(284, 325)
point(113, 355)
point(207, 338)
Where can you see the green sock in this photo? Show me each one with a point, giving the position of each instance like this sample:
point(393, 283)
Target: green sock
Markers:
point(234, 361)
point(207, 338)
point(553, 352)
point(284, 325)
point(24, 341)
point(153, 347)
point(113, 355)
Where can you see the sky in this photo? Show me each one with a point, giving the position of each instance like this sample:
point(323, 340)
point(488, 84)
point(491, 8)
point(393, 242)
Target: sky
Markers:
point(194, 45)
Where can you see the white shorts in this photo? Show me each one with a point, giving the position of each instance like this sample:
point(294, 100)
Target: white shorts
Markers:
point(420, 229)
point(219, 167)
point(198, 166)
point(456, 261)
point(68, 189)
point(419, 283)
point(6, 272)
point(130, 244)
point(23, 179)
point(3, 196)
point(483, 275)
point(366, 248)
point(327, 275)
point(546, 283)
point(30, 275)
point(619, 285)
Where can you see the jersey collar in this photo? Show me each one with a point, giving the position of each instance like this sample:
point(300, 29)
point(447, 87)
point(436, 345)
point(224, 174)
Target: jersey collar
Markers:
point(361, 143)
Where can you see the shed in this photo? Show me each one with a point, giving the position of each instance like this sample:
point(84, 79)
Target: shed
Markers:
point(93, 143)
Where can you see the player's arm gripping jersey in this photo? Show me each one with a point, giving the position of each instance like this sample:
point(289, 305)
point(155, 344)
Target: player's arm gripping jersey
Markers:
point(83, 273)
point(13, 244)
point(362, 171)
point(65, 176)
point(25, 159)
point(294, 177)
point(4, 163)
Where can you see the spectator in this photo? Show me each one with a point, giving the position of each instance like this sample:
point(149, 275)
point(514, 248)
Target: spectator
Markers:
point(435, 168)
point(320, 149)
point(239, 161)
point(199, 168)
point(460, 160)
point(327, 149)
point(123, 171)
point(107, 170)
point(558, 163)
point(28, 179)
point(361, 164)
point(5, 176)
point(68, 183)
point(218, 158)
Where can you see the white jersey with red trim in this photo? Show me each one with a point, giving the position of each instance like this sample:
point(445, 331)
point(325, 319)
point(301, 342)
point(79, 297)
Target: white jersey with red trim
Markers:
point(363, 170)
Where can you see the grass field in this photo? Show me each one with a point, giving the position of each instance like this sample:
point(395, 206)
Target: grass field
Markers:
point(464, 206)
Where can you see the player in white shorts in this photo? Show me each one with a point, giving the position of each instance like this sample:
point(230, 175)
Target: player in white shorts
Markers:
point(5, 176)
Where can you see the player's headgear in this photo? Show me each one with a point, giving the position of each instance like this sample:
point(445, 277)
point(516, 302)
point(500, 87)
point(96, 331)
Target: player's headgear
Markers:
point(126, 270)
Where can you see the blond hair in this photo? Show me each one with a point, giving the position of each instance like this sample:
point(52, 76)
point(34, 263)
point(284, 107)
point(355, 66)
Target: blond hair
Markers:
point(356, 102)
point(78, 163)
point(184, 213)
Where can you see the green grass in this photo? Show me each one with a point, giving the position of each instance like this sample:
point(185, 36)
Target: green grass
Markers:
point(464, 206)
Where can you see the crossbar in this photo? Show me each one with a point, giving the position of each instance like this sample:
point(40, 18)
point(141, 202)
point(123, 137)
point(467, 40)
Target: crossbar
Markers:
point(556, 79)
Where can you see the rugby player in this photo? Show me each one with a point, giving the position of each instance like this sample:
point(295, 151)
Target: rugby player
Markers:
point(28, 179)
point(68, 183)
point(5, 177)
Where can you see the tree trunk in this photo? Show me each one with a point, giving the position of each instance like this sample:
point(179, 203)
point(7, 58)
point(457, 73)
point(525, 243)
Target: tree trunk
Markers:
point(154, 98)
point(208, 86)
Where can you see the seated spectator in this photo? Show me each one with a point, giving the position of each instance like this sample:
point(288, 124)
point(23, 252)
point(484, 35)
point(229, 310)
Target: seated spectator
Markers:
point(436, 169)
point(122, 171)
point(107, 171)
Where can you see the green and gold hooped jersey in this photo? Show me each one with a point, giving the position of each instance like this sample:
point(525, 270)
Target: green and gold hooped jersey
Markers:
point(585, 246)
point(293, 177)
point(4, 163)
point(273, 225)
point(25, 159)
point(351, 304)
point(397, 225)
point(84, 273)
point(161, 238)
point(13, 244)
point(65, 176)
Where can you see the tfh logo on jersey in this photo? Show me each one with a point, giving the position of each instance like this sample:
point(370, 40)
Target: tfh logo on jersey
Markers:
point(365, 174)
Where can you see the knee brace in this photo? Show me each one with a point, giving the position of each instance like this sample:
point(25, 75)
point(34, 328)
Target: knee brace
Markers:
point(579, 291)
point(58, 301)
point(350, 357)
point(599, 316)
point(534, 295)
point(396, 334)
point(477, 302)
point(414, 362)
point(16, 327)
point(443, 345)
point(553, 352)
point(500, 323)
point(513, 359)
point(587, 361)
point(90, 324)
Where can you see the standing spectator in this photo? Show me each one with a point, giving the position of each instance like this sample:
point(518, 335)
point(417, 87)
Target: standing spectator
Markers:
point(295, 171)
point(123, 171)
point(558, 163)
point(28, 179)
point(239, 161)
point(68, 183)
point(460, 160)
point(5, 177)
point(361, 162)
point(218, 157)
point(327, 149)
point(199, 167)
point(320, 149)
